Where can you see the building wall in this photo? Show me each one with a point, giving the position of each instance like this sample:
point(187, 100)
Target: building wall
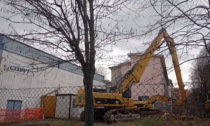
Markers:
point(65, 107)
point(17, 72)
point(19, 80)
point(118, 71)
point(152, 82)
point(27, 74)
point(31, 98)
point(14, 53)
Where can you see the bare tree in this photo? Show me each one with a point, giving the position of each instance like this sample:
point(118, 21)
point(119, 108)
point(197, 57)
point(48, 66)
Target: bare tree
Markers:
point(187, 21)
point(201, 76)
point(76, 29)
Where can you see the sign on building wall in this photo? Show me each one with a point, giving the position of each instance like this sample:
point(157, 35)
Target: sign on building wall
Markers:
point(14, 67)
point(17, 67)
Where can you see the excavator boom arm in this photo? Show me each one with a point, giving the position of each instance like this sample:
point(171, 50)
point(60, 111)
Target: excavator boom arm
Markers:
point(182, 93)
point(134, 75)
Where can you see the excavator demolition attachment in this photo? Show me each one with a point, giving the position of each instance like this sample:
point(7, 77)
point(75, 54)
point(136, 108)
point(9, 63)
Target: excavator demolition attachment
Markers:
point(117, 105)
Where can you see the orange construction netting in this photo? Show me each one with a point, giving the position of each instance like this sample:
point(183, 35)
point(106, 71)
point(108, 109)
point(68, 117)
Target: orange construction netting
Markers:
point(17, 115)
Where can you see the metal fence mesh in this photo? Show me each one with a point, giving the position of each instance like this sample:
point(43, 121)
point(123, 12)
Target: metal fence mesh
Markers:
point(55, 106)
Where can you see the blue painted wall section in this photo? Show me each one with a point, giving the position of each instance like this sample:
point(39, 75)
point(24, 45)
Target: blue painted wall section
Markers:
point(1, 45)
point(27, 51)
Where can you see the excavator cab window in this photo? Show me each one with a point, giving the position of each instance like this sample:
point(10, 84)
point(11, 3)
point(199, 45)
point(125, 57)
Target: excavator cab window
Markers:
point(112, 89)
point(99, 88)
point(127, 93)
point(143, 98)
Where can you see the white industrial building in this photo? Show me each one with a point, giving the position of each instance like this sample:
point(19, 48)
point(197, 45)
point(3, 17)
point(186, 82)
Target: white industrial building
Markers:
point(23, 83)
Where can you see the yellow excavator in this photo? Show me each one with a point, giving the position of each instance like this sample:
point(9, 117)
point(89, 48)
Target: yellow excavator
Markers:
point(118, 104)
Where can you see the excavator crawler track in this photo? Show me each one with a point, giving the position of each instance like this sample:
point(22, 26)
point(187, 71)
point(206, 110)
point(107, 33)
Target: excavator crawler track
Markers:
point(115, 115)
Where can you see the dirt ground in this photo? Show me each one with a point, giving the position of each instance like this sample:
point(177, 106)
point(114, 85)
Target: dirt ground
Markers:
point(148, 120)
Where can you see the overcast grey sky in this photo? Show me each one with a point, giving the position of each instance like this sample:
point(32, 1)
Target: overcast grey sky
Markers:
point(121, 49)
point(138, 45)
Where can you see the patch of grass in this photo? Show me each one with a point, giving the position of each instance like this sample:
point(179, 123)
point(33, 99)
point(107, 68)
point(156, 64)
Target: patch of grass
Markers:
point(148, 120)
point(65, 122)
point(151, 120)
point(47, 122)
point(144, 121)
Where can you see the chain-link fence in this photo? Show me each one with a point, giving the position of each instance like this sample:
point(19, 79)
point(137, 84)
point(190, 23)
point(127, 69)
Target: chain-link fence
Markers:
point(60, 107)
point(18, 105)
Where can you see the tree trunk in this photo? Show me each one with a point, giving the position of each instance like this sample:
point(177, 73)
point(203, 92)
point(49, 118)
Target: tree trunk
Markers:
point(89, 108)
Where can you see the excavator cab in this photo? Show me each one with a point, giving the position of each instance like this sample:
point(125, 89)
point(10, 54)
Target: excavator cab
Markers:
point(125, 94)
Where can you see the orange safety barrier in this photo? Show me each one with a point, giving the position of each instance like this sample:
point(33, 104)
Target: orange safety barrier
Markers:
point(31, 114)
point(17, 115)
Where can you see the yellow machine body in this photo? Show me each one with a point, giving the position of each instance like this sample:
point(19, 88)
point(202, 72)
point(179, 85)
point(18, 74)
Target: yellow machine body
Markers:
point(117, 101)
